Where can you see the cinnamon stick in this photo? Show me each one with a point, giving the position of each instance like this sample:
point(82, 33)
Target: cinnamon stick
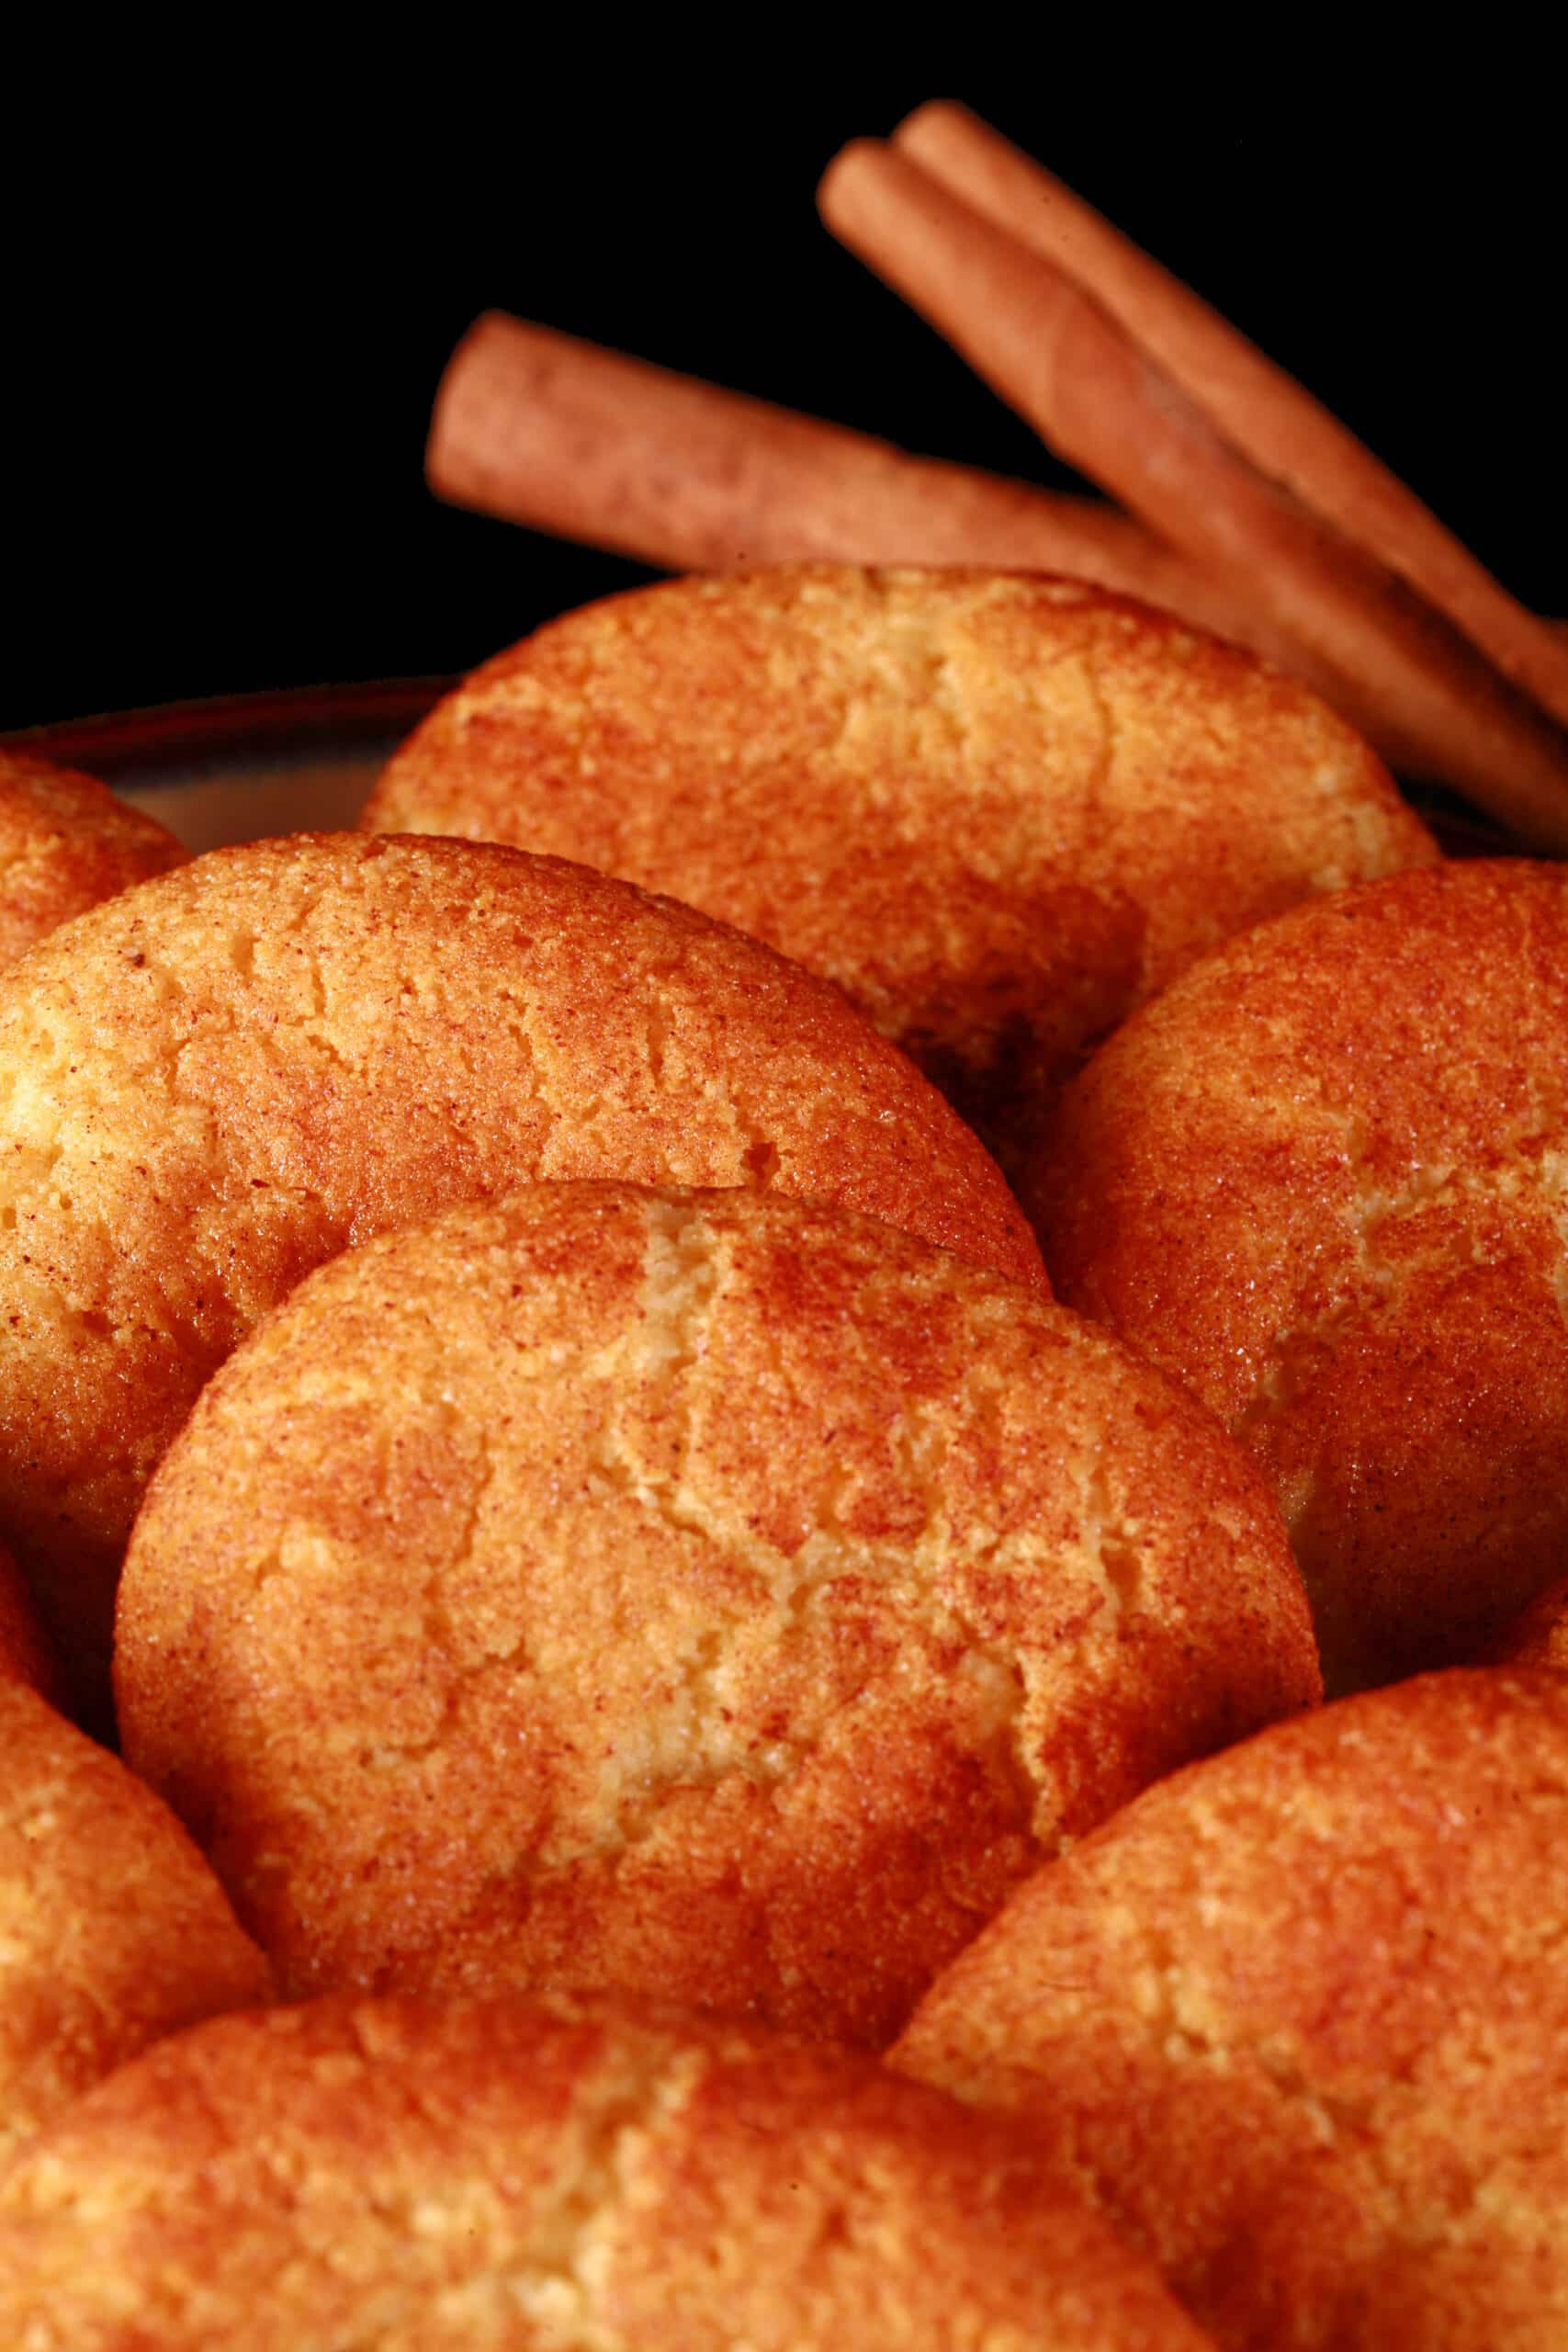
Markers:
point(565, 437)
point(570, 438)
point(1269, 417)
point(1064, 363)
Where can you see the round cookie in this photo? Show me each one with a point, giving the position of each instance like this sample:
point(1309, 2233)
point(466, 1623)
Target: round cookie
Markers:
point(25, 1655)
point(65, 843)
point(1321, 1180)
point(997, 809)
point(494, 2176)
point(702, 1595)
point(112, 1929)
point(210, 1084)
point(1299, 2019)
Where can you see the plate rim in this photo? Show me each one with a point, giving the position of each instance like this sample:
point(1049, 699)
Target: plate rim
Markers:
point(117, 744)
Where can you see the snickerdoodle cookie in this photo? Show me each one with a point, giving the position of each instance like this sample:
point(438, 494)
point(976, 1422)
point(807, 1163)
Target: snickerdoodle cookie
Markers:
point(65, 842)
point(112, 1929)
point(997, 809)
point(691, 1593)
point(1299, 2019)
point(496, 2177)
point(1323, 1180)
point(210, 1084)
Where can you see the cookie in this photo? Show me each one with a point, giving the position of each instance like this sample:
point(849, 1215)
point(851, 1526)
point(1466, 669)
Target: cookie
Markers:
point(997, 809)
point(65, 843)
point(500, 2176)
point(1321, 1179)
point(210, 1084)
point(112, 1929)
point(1299, 2016)
point(705, 1595)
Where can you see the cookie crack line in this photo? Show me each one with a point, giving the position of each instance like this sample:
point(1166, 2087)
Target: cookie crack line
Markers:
point(684, 1742)
point(437, 1622)
point(591, 2191)
point(1096, 784)
point(556, 2280)
point(1350, 2127)
point(1374, 1283)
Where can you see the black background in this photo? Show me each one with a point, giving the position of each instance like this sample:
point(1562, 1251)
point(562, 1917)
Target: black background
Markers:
point(230, 297)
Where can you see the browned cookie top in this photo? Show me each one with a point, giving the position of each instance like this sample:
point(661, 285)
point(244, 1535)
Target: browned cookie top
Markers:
point(998, 809)
point(65, 842)
point(112, 1929)
point(1299, 2016)
point(1322, 1180)
point(212, 1083)
point(700, 1594)
point(503, 2175)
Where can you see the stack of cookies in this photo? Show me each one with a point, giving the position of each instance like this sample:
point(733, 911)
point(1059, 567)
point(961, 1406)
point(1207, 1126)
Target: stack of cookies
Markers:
point(691, 1429)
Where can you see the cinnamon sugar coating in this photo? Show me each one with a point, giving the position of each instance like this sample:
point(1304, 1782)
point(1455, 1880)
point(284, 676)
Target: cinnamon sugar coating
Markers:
point(1299, 2019)
point(997, 809)
point(65, 843)
point(500, 2176)
point(1321, 1180)
point(112, 1929)
point(209, 1085)
point(700, 1595)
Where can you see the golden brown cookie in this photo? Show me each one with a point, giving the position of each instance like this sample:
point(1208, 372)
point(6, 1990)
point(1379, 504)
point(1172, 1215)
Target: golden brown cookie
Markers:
point(701, 1595)
point(25, 1655)
point(65, 842)
point(208, 1086)
point(502, 2175)
point(112, 1929)
point(997, 809)
point(1322, 1180)
point(1299, 2019)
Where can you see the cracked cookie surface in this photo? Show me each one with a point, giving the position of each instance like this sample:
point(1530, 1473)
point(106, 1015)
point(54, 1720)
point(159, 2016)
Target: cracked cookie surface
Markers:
point(701, 1594)
point(210, 1084)
point(1324, 1181)
point(998, 810)
point(1298, 2019)
point(509, 2175)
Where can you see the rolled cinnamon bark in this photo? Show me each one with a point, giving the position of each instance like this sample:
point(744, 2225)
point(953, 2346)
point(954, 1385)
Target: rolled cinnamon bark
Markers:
point(1066, 364)
point(572, 438)
point(1269, 416)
